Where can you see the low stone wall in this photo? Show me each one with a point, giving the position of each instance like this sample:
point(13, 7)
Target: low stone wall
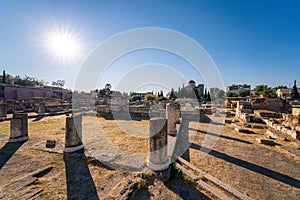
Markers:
point(272, 104)
point(267, 114)
point(296, 111)
point(290, 118)
point(293, 131)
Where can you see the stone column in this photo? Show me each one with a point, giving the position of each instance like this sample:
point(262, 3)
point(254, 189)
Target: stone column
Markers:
point(41, 108)
point(171, 117)
point(157, 156)
point(177, 111)
point(73, 135)
point(3, 110)
point(19, 127)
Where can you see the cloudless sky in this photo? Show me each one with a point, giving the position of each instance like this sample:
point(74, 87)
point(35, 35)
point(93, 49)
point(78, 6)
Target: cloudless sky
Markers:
point(254, 42)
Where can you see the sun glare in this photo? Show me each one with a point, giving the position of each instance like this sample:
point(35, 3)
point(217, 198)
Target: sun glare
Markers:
point(63, 45)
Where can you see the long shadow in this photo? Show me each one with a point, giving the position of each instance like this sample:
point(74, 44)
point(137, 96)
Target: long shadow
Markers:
point(80, 184)
point(184, 189)
point(221, 136)
point(250, 166)
point(38, 118)
point(8, 150)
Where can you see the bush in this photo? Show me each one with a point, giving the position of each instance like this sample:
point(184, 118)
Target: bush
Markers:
point(135, 98)
point(151, 97)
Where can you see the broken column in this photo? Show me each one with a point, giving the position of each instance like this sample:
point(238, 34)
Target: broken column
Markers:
point(41, 108)
point(19, 127)
point(157, 156)
point(171, 117)
point(3, 110)
point(73, 137)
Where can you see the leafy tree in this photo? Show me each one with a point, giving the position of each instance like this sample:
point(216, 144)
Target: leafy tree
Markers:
point(230, 94)
point(243, 93)
point(4, 77)
point(107, 88)
point(135, 97)
point(220, 94)
point(262, 90)
point(172, 94)
point(208, 96)
point(151, 97)
point(205, 94)
point(162, 98)
point(295, 93)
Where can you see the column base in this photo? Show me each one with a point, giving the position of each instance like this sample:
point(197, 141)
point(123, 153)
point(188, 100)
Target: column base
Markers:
point(158, 166)
point(20, 139)
point(73, 149)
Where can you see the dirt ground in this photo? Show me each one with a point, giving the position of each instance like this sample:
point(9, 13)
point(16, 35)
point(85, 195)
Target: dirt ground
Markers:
point(30, 171)
point(257, 170)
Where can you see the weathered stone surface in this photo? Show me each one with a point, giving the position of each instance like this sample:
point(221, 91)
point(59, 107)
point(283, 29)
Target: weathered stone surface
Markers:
point(73, 136)
point(267, 114)
point(296, 111)
point(275, 135)
point(171, 117)
point(227, 121)
point(294, 134)
point(157, 159)
point(41, 108)
point(3, 109)
point(265, 141)
point(19, 127)
point(50, 143)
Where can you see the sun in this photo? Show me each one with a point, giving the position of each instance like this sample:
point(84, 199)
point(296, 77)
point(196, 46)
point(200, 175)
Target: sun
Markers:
point(63, 45)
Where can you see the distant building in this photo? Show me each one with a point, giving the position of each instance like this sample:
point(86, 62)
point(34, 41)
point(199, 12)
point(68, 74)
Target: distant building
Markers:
point(15, 92)
point(213, 91)
point(284, 92)
point(234, 88)
point(198, 90)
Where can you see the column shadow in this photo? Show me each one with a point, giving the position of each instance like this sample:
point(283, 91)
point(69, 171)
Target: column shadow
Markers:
point(80, 184)
point(221, 136)
point(8, 150)
point(250, 166)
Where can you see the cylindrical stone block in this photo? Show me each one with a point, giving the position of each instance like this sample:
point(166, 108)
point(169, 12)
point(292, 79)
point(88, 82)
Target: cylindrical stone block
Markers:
point(41, 108)
point(177, 113)
point(19, 127)
point(3, 110)
point(73, 135)
point(158, 145)
point(171, 117)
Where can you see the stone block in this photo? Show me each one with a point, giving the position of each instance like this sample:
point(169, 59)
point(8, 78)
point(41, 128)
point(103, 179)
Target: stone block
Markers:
point(157, 159)
point(265, 141)
point(73, 136)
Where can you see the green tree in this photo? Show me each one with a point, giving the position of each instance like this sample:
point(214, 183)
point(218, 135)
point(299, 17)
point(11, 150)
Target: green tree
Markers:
point(135, 97)
point(220, 94)
point(162, 98)
point(243, 93)
point(262, 90)
point(172, 94)
point(107, 88)
point(208, 96)
point(151, 97)
point(230, 94)
point(205, 93)
point(295, 93)
point(4, 77)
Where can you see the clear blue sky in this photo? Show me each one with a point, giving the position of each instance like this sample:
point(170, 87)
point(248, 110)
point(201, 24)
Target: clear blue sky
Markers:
point(255, 42)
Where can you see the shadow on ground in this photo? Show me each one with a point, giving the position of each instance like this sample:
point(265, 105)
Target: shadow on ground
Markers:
point(221, 136)
point(8, 150)
point(80, 184)
point(250, 166)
